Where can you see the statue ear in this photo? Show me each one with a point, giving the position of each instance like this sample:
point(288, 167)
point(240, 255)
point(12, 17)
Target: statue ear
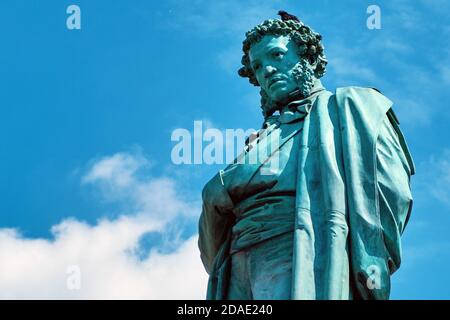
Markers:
point(301, 50)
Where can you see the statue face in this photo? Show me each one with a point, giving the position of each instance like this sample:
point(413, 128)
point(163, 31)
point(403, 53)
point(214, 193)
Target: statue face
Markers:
point(273, 59)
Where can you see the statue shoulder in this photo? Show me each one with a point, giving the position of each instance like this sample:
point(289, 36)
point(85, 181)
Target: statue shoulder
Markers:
point(369, 103)
point(362, 95)
point(214, 193)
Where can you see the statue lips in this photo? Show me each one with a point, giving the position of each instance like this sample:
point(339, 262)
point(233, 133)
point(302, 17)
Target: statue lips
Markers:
point(275, 80)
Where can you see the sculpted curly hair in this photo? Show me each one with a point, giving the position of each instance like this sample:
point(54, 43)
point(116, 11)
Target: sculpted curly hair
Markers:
point(308, 41)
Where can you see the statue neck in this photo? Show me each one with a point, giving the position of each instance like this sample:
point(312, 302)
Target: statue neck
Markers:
point(297, 96)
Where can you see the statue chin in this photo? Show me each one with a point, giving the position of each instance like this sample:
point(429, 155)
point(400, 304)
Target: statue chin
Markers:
point(271, 105)
point(282, 97)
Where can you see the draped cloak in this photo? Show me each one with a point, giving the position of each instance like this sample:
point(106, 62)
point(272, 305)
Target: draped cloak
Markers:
point(352, 201)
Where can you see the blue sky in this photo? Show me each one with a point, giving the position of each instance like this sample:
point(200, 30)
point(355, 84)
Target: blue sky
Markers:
point(86, 118)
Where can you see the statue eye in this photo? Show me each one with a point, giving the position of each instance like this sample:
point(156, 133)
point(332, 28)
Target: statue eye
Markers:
point(278, 54)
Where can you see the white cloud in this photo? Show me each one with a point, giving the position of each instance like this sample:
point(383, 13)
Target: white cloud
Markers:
point(122, 178)
point(37, 268)
point(106, 252)
point(117, 169)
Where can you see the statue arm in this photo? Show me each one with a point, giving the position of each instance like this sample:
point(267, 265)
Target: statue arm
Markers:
point(394, 169)
point(215, 221)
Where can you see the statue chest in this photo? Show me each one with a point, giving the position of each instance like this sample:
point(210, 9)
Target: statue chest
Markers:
point(268, 168)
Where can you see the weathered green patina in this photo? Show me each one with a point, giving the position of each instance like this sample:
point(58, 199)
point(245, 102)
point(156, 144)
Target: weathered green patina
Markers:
point(326, 221)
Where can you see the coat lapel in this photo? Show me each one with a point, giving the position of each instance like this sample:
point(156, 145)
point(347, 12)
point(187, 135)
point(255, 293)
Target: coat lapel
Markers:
point(258, 153)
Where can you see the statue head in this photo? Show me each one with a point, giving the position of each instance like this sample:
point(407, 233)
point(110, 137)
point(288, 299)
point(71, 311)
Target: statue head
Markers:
point(283, 57)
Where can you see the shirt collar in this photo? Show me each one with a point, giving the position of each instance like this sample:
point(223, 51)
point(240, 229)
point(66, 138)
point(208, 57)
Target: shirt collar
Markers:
point(296, 110)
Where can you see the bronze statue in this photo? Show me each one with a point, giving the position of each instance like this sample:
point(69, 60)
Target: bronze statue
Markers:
point(325, 222)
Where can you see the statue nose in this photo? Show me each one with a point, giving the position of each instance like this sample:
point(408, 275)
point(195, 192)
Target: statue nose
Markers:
point(269, 71)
